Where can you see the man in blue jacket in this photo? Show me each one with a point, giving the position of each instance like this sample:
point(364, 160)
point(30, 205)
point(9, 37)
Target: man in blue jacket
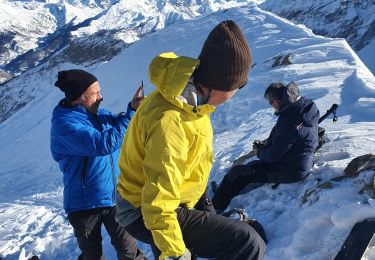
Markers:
point(85, 141)
point(288, 154)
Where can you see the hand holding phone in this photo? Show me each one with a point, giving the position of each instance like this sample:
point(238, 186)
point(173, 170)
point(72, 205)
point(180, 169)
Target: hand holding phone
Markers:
point(142, 91)
point(138, 97)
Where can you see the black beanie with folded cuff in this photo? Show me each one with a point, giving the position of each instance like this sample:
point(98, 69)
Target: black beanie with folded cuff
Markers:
point(74, 82)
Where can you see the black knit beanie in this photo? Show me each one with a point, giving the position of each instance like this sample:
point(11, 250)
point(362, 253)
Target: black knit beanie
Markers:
point(225, 59)
point(74, 82)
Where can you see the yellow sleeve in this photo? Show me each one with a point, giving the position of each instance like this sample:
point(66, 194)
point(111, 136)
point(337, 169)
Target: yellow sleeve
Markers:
point(164, 169)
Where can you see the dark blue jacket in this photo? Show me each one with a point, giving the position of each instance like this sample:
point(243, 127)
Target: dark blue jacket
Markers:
point(293, 139)
point(86, 146)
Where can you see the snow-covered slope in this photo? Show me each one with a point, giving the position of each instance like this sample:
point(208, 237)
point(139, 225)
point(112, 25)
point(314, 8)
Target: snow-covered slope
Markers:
point(352, 20)
point(79, 32)
point(327, 70)
point(32, 30)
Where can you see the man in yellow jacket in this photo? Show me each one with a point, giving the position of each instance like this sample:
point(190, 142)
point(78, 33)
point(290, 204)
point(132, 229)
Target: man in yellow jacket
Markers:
point(166, 155)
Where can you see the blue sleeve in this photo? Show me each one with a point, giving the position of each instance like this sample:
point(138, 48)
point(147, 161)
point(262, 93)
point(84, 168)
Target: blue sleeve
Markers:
point(76, 138)
point(280, 141)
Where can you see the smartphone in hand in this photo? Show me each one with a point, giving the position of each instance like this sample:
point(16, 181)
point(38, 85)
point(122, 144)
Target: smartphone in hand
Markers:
point(142, 92)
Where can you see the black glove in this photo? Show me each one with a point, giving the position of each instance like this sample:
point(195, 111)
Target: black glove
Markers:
point(259, 145)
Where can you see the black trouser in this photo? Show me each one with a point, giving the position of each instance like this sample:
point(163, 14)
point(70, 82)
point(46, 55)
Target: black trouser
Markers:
point(87, 228)
point(210, 236)
point(240, 176)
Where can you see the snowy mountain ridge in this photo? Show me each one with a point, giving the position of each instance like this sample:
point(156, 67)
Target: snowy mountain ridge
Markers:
point(353, 20)
point(79, 32)
point(327, 71)
point(32, 30)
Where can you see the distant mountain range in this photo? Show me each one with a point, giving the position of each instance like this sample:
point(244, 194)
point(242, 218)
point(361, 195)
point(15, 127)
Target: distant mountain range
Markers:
point(78, 32)
point(32, 31)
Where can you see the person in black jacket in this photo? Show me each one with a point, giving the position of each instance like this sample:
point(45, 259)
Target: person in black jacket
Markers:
point(287, 156)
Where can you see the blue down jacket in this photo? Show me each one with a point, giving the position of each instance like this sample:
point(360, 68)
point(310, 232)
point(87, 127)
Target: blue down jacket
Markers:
point(87, 146)
point(294, 138)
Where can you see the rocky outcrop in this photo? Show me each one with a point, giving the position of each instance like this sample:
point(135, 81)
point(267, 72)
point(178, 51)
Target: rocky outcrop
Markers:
point(4, 76)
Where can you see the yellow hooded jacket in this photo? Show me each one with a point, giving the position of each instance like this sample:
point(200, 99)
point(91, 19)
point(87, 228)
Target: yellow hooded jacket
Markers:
point(166, 155)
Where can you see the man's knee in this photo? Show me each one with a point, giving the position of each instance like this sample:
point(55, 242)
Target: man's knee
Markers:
point(236, 172)
point(248, 239)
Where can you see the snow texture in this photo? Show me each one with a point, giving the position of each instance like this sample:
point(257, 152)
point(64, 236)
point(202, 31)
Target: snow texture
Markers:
point(32, 221)
point(353, 20)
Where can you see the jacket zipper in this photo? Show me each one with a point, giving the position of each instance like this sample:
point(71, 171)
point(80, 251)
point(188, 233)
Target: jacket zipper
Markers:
point(113, 178)
point(84, 170)
point(111, 162)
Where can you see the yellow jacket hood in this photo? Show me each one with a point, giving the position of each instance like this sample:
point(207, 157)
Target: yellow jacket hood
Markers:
point(170, 74)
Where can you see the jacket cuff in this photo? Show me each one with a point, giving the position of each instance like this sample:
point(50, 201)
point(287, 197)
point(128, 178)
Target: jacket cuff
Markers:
point(130, 107)
point(129, 112)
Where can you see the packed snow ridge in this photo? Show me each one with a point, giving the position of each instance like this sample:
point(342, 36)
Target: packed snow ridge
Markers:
point(352, 20)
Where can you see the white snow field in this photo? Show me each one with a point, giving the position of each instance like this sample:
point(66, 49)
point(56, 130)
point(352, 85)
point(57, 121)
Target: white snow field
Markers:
point(32, 220)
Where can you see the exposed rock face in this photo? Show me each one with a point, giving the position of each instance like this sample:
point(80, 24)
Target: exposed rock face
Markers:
point(4, 76)
point(12, 100)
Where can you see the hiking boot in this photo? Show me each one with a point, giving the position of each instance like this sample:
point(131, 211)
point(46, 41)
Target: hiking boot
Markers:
point(241, 215)
point(236, 213)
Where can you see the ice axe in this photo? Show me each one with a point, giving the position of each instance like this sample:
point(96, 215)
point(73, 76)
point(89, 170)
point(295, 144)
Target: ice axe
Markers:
point(330, 111)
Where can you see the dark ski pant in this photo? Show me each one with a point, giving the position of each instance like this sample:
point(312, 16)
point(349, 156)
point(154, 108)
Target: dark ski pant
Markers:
point(240, 176)
point(87, 228)
point(209, 235)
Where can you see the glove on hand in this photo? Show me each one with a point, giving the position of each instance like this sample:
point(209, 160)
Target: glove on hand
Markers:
point(258, 145)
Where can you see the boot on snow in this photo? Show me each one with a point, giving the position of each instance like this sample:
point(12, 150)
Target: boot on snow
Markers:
point(241, 215)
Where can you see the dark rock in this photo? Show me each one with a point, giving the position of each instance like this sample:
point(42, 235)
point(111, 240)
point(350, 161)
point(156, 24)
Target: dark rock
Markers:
point(286, 60)
point(360, 164)
point(276, 61)
point(279, 60)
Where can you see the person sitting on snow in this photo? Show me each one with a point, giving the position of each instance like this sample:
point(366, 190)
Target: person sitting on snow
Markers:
point(287, 156)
